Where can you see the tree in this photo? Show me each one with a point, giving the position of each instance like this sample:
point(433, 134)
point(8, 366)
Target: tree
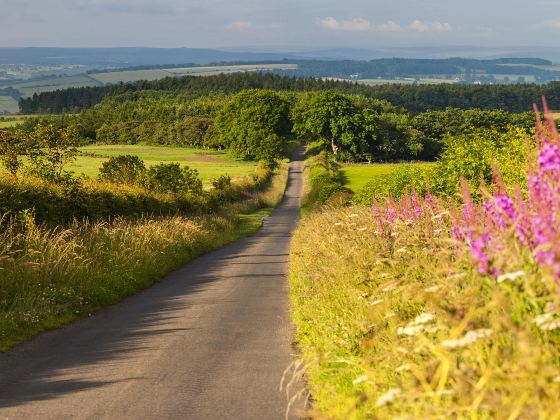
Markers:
point(12, 147)
point(123, 169)
point(171, 178)
point(255, 124)
point(333, 119)
point(51, 150)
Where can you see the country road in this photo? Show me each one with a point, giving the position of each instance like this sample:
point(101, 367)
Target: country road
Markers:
point(209, 341)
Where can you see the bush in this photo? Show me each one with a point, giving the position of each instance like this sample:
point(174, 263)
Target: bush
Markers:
point(473, 157)
point(171, 178)
point(124, 169)
point(395, 184)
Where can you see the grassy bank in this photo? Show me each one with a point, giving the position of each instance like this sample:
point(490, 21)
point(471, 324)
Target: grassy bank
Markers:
point(52, 276)
point(209, 163)
point(395, 325)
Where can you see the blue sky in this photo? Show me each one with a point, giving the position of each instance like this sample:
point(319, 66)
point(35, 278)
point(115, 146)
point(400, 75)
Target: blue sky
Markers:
point(280, 23)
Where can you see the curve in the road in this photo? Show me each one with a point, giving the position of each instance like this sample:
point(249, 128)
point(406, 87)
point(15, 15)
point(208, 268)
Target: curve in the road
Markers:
point(209, 341)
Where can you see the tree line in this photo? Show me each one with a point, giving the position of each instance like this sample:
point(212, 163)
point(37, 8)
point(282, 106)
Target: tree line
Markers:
point(415, 98)
point(259, 123)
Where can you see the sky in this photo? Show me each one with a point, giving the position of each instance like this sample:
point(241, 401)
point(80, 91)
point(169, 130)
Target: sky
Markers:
point(283, 24)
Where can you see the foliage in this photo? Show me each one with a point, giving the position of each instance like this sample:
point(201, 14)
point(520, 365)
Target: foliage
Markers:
point(12, 148)
point(334, 120)
point(255, 124)
point(324, 180)
point(50, 150)
point(123, 169)
point(472, 156)
point(171, 178)
point(432, 309)
point(395, 183)
point(392, 324)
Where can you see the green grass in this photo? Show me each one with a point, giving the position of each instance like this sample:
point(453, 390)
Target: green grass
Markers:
point(131, 76)
point(52, 276)
point(210, 163)
point(356, 295)
point(357, 176)
point(28, 88)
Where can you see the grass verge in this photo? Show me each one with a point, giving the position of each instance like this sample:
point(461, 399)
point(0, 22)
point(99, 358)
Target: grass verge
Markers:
point(50, 277)
point(397, 326)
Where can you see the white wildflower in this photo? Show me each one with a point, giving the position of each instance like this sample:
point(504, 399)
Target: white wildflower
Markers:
point(338, 224)
point(547, 321)
point(410, 330)
point(432, 329)
point(352, 215)
point(376, 302)
point(469, 338)
point(437, 231)
point(388, 397)
point(401, 250)
point(390, 315)
point(510, 276)
point(402, 350)
point(432, 289)
point(362, 229)
point(359, 380)
point(423, 318)
point(402, 368)
point(416, 326)
point(363, 295)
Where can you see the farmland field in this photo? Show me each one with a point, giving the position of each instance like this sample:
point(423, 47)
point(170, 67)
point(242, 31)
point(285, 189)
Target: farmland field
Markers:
point(131, 76)
point(210, 163)
point(28, 88)
point(355, 177)
point(8, 104)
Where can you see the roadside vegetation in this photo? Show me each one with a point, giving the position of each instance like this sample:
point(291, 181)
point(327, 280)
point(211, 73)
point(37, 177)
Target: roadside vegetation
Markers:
point(439, 296)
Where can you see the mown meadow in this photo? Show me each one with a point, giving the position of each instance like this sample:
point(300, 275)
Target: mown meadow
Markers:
point(434, 293)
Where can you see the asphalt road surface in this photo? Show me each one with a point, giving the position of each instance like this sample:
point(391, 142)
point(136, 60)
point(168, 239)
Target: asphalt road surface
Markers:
point(210, 341)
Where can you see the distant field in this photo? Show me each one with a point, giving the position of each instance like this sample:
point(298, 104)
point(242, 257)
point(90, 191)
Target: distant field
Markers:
point(131, 76)
point(406, 81)
point(8, 104)
point(357, 176)
point(28, 88)
point(210, 164)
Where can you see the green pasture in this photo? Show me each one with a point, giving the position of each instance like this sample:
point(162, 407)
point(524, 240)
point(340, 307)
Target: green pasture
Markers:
point(209, 163)
point(356, 176)
point(28, 88)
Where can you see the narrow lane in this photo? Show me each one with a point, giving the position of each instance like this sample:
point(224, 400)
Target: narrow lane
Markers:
point(210, 341)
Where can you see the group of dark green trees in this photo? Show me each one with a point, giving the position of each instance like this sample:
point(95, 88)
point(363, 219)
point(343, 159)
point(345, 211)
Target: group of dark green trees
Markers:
point(258, 124)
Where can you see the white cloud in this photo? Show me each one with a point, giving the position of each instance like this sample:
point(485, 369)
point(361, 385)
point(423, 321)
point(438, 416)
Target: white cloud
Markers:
point(239, 25)
point(388, 26)
point(363, 25)
point(436, 26)
point(358, 24)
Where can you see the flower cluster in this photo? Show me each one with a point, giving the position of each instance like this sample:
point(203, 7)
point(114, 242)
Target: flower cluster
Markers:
point(528, 217)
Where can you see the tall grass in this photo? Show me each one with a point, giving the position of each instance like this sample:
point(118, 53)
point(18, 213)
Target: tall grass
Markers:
point(419, 308)
point(49, 276)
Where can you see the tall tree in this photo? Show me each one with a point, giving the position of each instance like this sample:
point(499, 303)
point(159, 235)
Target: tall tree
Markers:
point(255, 124)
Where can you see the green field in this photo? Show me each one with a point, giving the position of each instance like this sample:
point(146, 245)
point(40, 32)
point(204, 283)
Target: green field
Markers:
point(357, 176)
point(8, 104)
point(131, 76)
point(210, 163)
point(28, 88)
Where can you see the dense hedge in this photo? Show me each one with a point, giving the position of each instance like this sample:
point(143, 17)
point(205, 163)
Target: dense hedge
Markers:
point(54, 204)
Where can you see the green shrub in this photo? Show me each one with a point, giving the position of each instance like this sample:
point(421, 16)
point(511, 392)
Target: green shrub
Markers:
point(171, 178)
point(123, 169)
point(473, 156)
point(395, 183)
